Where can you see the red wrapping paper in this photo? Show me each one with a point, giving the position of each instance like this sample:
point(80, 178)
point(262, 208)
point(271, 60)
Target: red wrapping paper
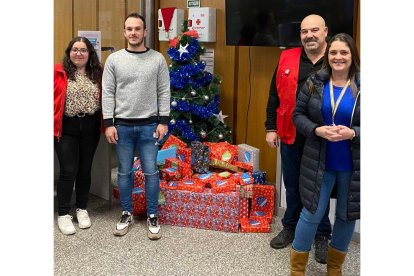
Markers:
point(173, 141)
point(244, 166)
point(223, 186)
point(256, 225)
point(205, 210)
point(184, 154)
point(263, 199)
point(244, 208)
point(223, 151)
point(191, 185)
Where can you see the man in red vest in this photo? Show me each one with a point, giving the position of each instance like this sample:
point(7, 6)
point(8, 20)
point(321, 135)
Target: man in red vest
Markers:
point(295, 66)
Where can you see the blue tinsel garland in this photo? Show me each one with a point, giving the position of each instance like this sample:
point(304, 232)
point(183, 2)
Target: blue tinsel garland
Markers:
point(192, 49)
point(185, 130)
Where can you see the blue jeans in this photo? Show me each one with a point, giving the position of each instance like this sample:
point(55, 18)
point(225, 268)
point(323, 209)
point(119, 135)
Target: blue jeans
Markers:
point(291, 157)
point(308, 222)
point(141, 137)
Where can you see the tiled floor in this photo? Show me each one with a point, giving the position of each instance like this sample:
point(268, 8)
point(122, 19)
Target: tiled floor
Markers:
point(181, 251)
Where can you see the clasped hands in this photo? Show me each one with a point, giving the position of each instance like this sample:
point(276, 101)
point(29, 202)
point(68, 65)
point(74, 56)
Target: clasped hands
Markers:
point(335, 133)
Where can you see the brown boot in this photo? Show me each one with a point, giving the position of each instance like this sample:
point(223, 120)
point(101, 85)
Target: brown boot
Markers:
point(298, 261)
point(335, 260)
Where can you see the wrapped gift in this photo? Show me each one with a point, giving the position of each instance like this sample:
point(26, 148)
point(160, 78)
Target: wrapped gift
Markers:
point(184, 169)
point(191, 185)
point(245, 191)
point(172, 185)
point(136, 165)
point(169, 174)
point(224, 175)
point(139, 178)
point(256, 225)
point(173, 141)
point(219, 164)
point(244, 208)
point(260, 214)
point(243, 165)
point(223, 186)
point(163, 154)
point(246, 178)
point(223, 151)
point(236, 177)
point(184, 154)
point(201, 210)
point(259, 177)
point(163, 184)
point(139, 204)
point(249, 155)
point(207, 179)
point(200, 157)
point(263, 199)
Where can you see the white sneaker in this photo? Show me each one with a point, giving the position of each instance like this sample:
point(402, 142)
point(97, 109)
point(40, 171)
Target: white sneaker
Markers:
point(154, 229)
point(65, 225)
point(83, 218)
point(124, 224)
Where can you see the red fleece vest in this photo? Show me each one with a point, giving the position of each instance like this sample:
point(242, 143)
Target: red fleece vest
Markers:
point(286, 85)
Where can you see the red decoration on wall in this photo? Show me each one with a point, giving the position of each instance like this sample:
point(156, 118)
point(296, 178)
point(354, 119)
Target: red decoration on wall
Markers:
point(167, 15)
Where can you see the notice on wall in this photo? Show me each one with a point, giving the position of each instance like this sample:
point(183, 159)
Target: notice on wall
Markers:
point(208, 58)
point(95, 38)
point(193, 3)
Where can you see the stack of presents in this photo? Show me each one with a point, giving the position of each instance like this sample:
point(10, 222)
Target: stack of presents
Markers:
point(215, 186)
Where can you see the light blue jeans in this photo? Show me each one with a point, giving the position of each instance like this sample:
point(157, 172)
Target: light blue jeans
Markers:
point(308, 222)
point(141, 137)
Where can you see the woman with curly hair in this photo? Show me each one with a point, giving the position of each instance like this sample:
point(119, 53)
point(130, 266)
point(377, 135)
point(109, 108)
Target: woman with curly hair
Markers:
point(77, 123)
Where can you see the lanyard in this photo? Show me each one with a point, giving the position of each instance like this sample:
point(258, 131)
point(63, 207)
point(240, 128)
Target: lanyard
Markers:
point(335, 105)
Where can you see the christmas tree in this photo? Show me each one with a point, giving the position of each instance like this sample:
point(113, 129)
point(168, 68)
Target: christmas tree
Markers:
point(195, 93)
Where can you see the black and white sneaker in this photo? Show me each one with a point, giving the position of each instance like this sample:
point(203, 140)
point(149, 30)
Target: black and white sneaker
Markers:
point(154, 230)
point(124, 224)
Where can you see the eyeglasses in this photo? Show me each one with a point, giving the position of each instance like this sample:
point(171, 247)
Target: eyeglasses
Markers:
point(81, 50)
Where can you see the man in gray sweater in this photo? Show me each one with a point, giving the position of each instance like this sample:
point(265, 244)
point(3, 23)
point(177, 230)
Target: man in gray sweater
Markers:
point(136, 108)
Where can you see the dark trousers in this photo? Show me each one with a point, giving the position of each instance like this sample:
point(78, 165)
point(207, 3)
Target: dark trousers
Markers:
point(291, 157)
point(75, 151)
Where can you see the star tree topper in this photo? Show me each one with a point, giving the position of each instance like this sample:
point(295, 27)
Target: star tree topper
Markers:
point(220, 116)
point(183, 49)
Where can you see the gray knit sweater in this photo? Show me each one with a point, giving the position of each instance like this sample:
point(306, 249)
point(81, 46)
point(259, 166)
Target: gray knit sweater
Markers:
point(135, 86)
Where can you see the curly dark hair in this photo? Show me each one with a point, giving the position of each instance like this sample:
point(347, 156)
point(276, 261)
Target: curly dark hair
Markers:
point(93, 68)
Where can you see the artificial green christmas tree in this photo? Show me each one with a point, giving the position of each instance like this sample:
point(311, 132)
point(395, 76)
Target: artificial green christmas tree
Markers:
point(195, 93)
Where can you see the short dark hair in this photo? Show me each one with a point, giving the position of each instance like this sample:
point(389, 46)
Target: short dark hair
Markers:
point(136, 15)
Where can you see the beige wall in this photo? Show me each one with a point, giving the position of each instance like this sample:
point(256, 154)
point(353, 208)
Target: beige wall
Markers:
point(106, 16)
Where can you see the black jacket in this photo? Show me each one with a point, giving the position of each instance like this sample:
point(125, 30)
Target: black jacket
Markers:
point(308, 116)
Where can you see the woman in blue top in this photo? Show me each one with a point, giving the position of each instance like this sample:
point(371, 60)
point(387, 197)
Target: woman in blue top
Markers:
point(327, 113)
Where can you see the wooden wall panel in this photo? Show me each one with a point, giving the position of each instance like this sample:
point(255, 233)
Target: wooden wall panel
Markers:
point(133, 6)
point(224, 56)
point(255, 73)
point(85, 16)
point(63, 27)
point(111, 17)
